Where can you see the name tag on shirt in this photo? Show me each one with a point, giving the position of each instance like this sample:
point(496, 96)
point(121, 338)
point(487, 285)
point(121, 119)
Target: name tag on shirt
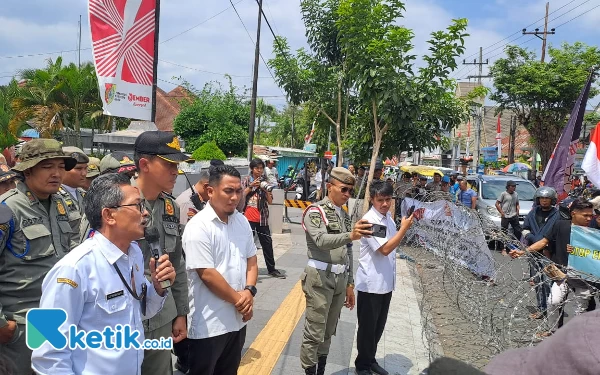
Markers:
point(114, 295)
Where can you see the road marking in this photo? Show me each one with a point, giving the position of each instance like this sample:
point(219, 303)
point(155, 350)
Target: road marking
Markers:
point(263, 353)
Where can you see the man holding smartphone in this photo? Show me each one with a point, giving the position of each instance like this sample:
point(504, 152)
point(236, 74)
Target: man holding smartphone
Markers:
point(376, 276)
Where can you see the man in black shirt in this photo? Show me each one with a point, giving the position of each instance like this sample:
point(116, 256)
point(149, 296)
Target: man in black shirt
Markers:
point(581, 214)
point(538, 223)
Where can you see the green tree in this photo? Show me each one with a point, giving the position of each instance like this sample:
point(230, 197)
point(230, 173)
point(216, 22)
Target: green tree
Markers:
point(414, 109)
point(215, 115)
point(317, 76)
point(7, 94)
point(208, 151)
point(542, 95)
point(264, 113)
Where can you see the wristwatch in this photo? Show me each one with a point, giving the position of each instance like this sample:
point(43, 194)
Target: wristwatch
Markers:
point(252, 289)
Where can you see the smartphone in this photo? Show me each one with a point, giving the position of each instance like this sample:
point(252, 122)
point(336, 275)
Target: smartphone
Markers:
point(410, 211)
point(379, 230)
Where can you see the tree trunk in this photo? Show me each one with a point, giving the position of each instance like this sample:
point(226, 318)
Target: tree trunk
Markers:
point(338, 126)
point(379, 133)
point(513, 130)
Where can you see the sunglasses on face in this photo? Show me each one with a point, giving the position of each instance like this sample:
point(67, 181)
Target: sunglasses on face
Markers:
point(343, 189)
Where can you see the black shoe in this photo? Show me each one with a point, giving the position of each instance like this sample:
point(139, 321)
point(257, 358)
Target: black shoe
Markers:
point(321, 365)
point(364, 372)
point(312, 370)
point(277, 274)
point(378, 369)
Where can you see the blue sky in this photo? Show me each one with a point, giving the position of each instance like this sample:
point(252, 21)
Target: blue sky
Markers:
point(212, 47)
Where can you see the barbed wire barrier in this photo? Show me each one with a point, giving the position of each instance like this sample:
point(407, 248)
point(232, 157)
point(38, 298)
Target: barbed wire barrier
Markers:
point(475, 302)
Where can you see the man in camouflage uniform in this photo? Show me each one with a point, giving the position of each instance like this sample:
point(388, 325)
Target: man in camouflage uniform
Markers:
point(157, 155)
point(35, 237)
point(72, 186)
point(327, 280)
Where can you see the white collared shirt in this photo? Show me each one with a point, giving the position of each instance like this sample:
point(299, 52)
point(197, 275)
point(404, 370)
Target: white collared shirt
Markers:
point(72, 191)
point(210, 243)
point(85, 284)
point(376, 272)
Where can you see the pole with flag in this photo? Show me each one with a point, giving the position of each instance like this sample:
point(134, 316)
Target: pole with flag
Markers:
point(125, 50)
point(591, 160)
point(499, 138)
point(559, 170)
point(468, 138)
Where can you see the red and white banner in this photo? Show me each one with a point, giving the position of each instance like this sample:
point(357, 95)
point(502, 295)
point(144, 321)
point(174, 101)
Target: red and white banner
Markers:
point(123, 33)
point(591, 160)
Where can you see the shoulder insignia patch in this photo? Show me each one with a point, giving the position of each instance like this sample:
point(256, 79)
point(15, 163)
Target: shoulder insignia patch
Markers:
point(315, 219)
point(191, 213)
point(169, 209)
point(64, 280)
point(60, 208)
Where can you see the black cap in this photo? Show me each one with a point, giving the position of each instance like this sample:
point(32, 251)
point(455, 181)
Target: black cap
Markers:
point(162, 144)
point(216, 162)
point(421, 177)
point(510, 183)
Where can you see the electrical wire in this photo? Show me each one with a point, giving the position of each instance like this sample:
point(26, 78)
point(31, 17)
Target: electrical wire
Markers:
point(209, 72)
point(574, 18)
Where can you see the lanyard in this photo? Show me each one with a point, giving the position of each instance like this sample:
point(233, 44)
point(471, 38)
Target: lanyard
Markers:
point(142, 297)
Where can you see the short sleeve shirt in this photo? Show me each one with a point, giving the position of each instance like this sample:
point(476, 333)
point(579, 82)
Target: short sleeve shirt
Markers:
point(465, 196)
point(376, 272)
point(509, 203)
point(209, 242)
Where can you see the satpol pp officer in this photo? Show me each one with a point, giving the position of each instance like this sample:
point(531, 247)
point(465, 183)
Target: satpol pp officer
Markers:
point(37, 236)
point(327, 280)
point(72, 188)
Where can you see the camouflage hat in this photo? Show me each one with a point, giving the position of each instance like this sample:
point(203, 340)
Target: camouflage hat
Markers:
point(5, 173)
point(93, 168)
point(37, 150)
point(342, 175)
point(77, 154)
point(117, 162)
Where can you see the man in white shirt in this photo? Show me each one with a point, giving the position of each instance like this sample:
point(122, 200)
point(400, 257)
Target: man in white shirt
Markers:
point(222, 273)
point(101, 284)
point(271, 172)
point(193, 200)
point(376, 277)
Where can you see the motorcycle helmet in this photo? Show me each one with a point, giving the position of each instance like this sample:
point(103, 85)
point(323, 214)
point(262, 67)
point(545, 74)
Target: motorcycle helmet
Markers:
point(545, 192)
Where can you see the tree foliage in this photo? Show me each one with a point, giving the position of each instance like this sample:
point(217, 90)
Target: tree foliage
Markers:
point(215, 115)
point(543, 94)
point(208, 151)
point(407, 110)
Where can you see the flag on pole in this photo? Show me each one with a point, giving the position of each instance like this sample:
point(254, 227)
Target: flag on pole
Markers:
point(124, 49)
point(560, 166)
point(499, 138)
point(591, 160)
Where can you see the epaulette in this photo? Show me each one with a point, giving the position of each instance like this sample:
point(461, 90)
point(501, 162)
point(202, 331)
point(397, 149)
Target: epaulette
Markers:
point(10, 193)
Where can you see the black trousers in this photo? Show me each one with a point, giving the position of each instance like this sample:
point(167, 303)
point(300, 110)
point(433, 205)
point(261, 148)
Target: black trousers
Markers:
point(264, 236)
point(181, 351)
point(516, 226)
point(219, 355)
point(372, 311)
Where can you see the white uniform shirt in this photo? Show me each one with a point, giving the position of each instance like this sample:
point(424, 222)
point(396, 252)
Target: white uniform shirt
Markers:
point(85, 284)
point(210, 243)
point(376, 272)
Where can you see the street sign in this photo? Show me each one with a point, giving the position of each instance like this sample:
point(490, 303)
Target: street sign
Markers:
point(328, 155)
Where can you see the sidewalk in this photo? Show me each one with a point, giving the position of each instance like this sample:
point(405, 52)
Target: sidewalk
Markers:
point(274, 334)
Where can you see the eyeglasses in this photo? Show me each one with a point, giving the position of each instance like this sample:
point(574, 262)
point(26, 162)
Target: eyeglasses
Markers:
point(141, 205)
point(343, 189)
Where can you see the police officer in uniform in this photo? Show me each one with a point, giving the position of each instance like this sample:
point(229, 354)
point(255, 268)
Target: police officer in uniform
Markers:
point(327, 280)
point(36, 237)
point(93, 171)
point(157, 155)
point(72, 185)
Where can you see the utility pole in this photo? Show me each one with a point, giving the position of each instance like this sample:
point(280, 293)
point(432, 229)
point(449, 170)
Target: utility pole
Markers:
point(544, 36)
point(254, 85)
point(481, 64)
point(79, 45)
point(479, 116)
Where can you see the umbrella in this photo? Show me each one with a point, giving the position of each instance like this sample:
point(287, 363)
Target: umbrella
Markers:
point(422, 170)
point(516, 167)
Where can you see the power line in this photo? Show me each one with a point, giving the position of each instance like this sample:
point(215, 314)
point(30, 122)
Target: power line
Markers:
point(587, 11)
point(568, 11)
point(206, 71)
point(517, 32)
point(201, 23)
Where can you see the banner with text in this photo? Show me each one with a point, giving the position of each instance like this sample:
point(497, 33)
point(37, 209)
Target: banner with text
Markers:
point(586, 256)
point(442, 222)
point(123, 45)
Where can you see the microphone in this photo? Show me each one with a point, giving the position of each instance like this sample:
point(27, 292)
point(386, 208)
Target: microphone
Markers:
point(153, 238)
